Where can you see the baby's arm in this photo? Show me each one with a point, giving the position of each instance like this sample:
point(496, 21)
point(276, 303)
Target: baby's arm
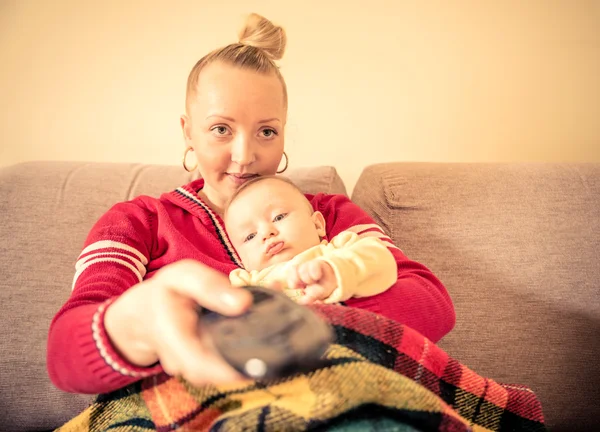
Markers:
point(362, 266)
point(240, 277)
point(311, 281)
point(417, 299)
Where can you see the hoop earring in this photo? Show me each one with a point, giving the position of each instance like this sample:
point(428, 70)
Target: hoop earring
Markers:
point(286, 164)
point(183, 161)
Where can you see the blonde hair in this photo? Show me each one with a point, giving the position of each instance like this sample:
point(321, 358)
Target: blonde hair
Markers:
point(260, 44)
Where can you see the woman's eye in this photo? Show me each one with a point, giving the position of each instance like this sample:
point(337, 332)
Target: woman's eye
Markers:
point(249, 237)
point(279, 217)
point(220, 130)
point(269, 133)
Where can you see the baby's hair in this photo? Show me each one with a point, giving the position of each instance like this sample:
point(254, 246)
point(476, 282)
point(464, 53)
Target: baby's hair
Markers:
point(256, 180)
point(260, 44)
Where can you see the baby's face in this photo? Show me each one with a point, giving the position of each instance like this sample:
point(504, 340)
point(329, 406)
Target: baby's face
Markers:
point(271, 222)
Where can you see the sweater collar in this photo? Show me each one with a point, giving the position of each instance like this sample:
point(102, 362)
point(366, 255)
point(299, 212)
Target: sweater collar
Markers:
point(187, 198)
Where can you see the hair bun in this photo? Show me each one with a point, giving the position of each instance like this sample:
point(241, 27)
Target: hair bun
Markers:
point(261, 33)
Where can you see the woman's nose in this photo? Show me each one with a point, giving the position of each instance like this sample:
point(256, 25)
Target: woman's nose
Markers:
point(242, 150)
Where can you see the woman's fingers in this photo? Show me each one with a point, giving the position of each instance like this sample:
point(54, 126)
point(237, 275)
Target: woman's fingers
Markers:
point(208, 287)
point(184, 350)
point(158, 320)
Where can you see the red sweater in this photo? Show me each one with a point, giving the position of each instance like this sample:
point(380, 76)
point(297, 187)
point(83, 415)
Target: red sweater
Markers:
point(134, 239)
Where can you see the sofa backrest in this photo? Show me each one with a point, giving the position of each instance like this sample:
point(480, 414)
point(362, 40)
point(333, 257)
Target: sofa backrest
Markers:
point(47, 209)
point(517, 247)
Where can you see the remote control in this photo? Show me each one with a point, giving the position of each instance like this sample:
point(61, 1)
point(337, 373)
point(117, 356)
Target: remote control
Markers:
point(275, 338)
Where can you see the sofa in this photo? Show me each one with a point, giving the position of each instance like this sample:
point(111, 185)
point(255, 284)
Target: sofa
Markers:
point(515, 244)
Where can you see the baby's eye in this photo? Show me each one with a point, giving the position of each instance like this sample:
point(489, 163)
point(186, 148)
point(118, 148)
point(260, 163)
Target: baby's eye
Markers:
point(279, 217)
point(249, 237)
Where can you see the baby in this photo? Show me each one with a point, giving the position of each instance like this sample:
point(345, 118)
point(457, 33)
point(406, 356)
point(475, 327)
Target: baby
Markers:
point(280, 239)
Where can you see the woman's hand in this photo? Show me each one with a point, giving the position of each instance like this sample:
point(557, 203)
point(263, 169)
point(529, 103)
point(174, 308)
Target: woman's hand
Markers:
point(315, 277)
point(156, 320)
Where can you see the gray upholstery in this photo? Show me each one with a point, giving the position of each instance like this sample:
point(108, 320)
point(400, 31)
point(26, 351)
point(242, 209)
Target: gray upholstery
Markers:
point(47, 208)
point(517, 247)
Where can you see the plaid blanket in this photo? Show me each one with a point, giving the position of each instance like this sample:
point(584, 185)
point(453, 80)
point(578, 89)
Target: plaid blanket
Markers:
point(378, 376)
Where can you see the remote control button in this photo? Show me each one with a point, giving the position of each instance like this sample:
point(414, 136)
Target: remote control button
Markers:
point(255, 368)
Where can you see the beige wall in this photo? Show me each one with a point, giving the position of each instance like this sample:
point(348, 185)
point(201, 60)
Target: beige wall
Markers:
point(463, 80)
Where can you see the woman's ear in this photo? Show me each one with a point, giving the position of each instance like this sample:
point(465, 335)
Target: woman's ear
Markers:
point(186, 127)
point(319, 221)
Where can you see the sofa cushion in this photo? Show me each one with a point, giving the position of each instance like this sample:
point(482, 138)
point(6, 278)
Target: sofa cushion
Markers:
point(517, 247)
point(47, 211)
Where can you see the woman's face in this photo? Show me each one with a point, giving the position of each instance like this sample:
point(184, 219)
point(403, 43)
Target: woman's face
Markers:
point(236, 126)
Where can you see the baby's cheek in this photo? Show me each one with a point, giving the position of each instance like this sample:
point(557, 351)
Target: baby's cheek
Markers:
point(252, 259)
point(246, 258)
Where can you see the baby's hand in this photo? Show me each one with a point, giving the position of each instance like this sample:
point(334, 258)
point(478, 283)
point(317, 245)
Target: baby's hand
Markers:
point(316, 277)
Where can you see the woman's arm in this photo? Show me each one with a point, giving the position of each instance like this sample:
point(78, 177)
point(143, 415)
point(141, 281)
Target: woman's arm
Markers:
point(418, 299)
point(80, 355)
point(118, 327)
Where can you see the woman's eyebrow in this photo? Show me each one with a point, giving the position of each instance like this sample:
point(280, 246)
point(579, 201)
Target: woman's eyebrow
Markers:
point(233, 120)
point(220, 116)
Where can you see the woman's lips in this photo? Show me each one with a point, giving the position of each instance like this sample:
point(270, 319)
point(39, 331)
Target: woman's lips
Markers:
point(240, 179)
point(275, 248)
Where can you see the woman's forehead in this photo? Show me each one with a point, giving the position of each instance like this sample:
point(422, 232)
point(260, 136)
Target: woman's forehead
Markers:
point(229, 91)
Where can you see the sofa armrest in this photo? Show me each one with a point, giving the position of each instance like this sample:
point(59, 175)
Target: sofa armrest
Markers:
point(517, 247)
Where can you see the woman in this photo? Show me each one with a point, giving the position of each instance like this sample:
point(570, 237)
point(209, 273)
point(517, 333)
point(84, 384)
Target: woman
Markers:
point(147, 262)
